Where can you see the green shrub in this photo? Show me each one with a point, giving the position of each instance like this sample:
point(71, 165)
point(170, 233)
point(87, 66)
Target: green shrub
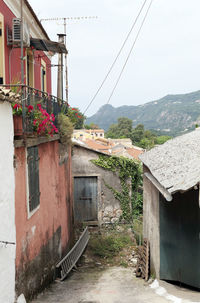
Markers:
point(109, 246)
point(65, 129)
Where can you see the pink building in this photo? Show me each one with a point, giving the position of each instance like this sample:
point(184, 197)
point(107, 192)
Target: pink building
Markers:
point(36, 186)
point(37, 63)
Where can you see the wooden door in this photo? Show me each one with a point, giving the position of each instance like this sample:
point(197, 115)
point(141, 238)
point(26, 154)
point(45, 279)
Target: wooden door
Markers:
point(85, 199)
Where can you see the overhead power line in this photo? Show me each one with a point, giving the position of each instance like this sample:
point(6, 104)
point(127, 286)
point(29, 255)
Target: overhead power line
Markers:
point(116, 58)
point(129, 54)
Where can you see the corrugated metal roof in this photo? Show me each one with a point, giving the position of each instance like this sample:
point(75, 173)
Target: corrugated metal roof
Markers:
point(176, 164)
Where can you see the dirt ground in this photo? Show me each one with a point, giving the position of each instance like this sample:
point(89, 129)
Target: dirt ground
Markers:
point(106, 274)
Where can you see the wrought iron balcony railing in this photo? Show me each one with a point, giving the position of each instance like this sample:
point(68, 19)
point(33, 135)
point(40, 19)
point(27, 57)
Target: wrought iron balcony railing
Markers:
point(33, 97)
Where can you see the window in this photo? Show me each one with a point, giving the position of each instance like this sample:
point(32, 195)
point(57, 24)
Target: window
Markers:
point(2, 62)
point(33, 177)
point(30, 69)
point(43, 76)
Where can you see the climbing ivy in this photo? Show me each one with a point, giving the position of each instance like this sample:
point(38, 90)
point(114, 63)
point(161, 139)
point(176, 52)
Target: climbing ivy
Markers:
point(127, 169)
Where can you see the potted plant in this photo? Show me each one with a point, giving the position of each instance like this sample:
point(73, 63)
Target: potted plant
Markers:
point(17, 119)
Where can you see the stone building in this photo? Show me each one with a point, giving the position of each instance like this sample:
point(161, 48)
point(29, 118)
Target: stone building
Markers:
point(93, 200)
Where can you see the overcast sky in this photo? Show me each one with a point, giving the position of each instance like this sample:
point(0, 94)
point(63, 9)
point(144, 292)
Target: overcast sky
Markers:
point(165, 60)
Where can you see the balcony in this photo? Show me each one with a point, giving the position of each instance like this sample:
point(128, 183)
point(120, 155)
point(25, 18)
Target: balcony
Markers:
point(34, 104)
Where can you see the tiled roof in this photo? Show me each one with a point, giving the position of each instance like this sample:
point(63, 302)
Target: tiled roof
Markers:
point(83, 145)
point(127, 152)
point(134, 152)
point(125, 142)
point(9, 96)
point(176, 163)
point(97, 146)
point(111, 148)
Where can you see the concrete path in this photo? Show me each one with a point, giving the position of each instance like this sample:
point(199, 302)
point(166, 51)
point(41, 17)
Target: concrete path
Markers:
point(111, 285)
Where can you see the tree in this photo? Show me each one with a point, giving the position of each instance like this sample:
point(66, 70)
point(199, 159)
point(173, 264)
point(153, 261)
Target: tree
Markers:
point(162, 139)
point(137, 134)
point(125, 127)
point(76, 117)
point(112, 132)
point(146, 143)
point(91, 126)
point(120, 130)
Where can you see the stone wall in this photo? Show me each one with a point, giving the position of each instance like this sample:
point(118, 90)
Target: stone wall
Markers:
point(109, 210)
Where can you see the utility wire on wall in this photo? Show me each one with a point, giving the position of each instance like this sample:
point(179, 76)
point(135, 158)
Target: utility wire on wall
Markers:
point(129, 54)
point(5, 243)
point(118, 54)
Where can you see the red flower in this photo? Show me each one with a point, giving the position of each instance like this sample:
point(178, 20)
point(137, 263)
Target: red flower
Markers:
point(16, 106)
point(30, 108)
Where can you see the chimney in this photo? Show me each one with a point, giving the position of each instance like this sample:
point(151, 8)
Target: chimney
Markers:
point(60, 69)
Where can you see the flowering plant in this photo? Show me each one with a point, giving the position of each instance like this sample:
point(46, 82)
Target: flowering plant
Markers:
point(29, 108)
point(17, 109)
point(43, 122)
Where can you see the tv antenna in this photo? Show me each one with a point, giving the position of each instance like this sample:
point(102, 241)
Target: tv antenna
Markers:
point(64, 19)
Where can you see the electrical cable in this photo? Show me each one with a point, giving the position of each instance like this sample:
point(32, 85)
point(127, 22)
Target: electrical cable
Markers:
point(129, 54)
point(113, 64)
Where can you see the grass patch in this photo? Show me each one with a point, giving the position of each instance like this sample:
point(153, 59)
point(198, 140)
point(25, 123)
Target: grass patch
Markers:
point(123, 264)
point(108, 246)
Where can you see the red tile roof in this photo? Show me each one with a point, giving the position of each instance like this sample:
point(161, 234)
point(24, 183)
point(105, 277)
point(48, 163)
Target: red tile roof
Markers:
point(134, 152)
point(95, 145)
point(111, 148)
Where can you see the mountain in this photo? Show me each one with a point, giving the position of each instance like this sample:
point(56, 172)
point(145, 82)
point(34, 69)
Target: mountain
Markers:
point(173, 114)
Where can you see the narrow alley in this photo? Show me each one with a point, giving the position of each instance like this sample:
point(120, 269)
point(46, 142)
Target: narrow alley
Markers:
point(113, 285)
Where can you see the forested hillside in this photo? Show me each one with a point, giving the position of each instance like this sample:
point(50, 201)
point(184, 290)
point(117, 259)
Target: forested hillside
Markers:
point(173, 114)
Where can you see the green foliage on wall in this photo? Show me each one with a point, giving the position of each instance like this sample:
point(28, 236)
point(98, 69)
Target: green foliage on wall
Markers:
point(130, 175)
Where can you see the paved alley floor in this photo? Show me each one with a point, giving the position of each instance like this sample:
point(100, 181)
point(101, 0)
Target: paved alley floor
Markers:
point(111, 285)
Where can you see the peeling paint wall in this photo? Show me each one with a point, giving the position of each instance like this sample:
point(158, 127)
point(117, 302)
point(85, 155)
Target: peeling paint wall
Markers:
point(151, 222)
point(7, 211)
point(44, 237)
point(109, 210)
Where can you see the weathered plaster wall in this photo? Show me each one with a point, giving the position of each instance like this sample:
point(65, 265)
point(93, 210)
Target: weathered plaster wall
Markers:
point(7, 212)
point(109, 210)
point(151, 222)
point(45, 236)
